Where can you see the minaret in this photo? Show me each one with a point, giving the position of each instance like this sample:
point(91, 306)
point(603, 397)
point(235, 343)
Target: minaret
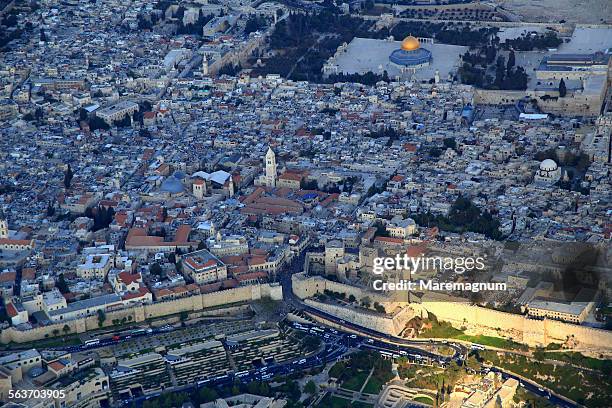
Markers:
point(270, 168)
point(4, 232)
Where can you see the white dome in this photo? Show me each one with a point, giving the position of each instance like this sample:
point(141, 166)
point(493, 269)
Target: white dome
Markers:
point(548, 165)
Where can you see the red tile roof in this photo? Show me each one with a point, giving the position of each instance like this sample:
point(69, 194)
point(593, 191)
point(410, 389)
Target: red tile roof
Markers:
point(129, 278)
point(11, 310)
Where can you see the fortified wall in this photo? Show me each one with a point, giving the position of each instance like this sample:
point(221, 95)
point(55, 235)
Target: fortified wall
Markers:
point(461, 315)
point(141, 313)
point(574, 103)
point(393, 324)
point(305, 286)
point(520, 328)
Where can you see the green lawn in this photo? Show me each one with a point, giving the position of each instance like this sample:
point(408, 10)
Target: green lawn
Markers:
point(337, 402)
point(441, 330)
point(447, 331)
point(580, 360)
point(535, 400)
point(333, 401)
point(355, 382)
point(373, 386)
point(424, 400)
point(337, 369)
point(583, 387)
point(359, 404)
point(492, 341)
point(553, 346)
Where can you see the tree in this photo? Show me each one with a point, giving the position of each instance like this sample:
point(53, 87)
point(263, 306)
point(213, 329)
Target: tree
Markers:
point(308, 184)
point(511, 62)
point(311, 342)
point(83, 114)
point(61, 284)
point(102, 216)
point(539, 354)
point(126, 121)
point(379, 308)
point(97, 123)
point(66, 329)
point(68, 175)
point(450, 143)
point(56, 332)
point(366, 302)
point(101, 317)
point(310, 387)
point(155, 269)
point(50, 209)
point(562, 88)
point(207, 395)
point(253, 24)
point(500, 72)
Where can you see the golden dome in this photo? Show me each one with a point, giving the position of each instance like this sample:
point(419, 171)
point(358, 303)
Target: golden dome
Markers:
point(410, 44)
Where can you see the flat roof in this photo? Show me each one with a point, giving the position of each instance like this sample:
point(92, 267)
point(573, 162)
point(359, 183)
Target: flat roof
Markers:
point(87, 303)
point(572, 308)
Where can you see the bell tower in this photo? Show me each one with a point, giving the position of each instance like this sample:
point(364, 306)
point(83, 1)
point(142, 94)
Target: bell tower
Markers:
point(270, 168)
point(4, 232)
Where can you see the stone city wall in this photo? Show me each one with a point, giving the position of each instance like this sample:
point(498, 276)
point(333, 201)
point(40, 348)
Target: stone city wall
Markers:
point(393, 324)
point(80, 325)
point(140, 313)
point(574, 103)
point(461, 315)
point(558, 332)
point(520, 328)
point(378, 322)
point(494, 97)
point(307, 286)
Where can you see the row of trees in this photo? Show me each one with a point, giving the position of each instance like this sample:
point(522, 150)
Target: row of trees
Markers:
point(507, 75)
point(529, 42)
point(312, 38)
point(254, 23)
point(368, 78)
point(464, 216)
point(102, 217)
point(290, 388)
point(448, 33)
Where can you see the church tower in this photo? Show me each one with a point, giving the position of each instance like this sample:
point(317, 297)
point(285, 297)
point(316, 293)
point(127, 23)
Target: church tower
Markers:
point(199, 188)
point(205, 70)
point(270, 168)
point(4, 232)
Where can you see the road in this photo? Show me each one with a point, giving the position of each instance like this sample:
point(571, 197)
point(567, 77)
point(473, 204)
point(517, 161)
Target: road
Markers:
point(383, 342)
point(337, 342)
